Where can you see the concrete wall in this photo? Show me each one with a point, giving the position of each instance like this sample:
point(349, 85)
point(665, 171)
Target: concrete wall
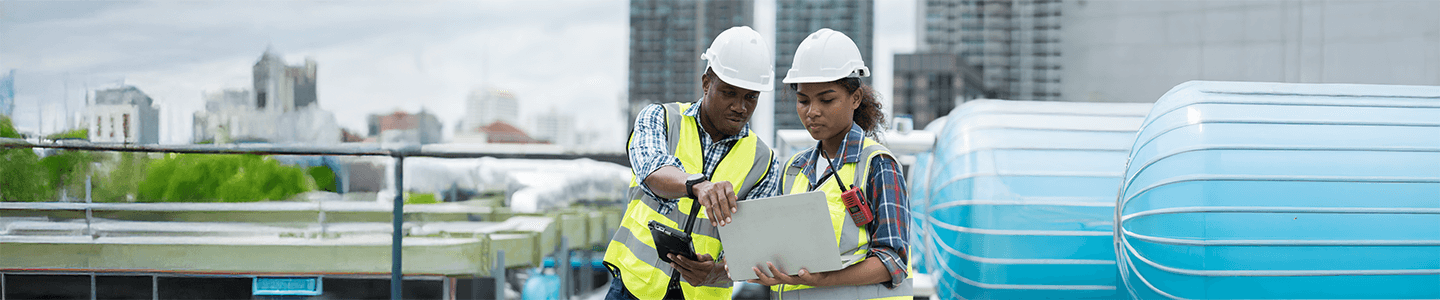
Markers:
point(1135, 51)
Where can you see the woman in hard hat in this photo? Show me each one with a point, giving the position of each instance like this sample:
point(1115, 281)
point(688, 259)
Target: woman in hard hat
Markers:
point(860, 178)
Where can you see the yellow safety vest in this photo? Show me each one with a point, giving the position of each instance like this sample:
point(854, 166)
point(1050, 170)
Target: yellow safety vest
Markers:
point(632, 250)
point(854, 241)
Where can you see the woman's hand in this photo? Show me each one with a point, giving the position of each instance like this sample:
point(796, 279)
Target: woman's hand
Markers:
point(803, 278)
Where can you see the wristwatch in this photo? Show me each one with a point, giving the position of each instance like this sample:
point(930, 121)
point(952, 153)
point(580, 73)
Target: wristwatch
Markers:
point(691, 182)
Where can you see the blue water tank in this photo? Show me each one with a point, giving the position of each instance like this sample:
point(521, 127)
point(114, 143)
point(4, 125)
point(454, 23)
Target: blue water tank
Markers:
point(1021, 198)
point(918, 185)
point(1284, 191)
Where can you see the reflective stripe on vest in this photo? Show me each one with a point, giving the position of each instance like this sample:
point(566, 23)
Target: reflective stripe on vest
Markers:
point(854, 241)
point(632, 249)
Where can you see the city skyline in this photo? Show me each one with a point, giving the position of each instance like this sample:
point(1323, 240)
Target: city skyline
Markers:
point(430, 55)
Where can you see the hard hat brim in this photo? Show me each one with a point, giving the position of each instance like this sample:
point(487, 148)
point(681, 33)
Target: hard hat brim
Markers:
point(754, 86)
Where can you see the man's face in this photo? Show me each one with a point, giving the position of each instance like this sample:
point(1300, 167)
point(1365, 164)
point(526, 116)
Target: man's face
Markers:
point(726, 107)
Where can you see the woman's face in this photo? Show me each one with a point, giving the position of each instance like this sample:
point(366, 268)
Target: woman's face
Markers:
point(825, 108)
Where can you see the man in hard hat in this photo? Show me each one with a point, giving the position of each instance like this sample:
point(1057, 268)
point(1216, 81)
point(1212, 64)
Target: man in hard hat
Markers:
point(684, 154)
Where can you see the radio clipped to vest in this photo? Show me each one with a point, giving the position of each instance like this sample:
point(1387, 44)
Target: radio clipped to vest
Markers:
point(855, 203)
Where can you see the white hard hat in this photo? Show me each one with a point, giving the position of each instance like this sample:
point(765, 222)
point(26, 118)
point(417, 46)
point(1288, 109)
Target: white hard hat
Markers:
point(740, 57)
point(826, 56)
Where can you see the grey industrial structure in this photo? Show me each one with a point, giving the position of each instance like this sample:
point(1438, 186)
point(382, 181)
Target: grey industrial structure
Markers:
point(666, 39)
point(1135, 51)
point(796, 19)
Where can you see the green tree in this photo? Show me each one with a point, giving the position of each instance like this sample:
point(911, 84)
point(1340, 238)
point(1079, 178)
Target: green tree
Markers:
point(22, 178)
point(66, 170)
point(226, 178)
point(122, 182)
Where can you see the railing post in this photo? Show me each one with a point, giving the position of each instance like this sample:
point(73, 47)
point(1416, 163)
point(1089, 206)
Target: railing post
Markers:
point(499, 273)
point(562, 267)
point(397, 221)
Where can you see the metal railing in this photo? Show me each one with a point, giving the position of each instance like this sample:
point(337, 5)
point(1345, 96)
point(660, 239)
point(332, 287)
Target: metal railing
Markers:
point(398, 153)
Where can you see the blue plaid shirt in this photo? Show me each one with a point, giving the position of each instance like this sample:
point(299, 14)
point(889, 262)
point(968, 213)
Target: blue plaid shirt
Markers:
point(649, 152)
point(889, 201)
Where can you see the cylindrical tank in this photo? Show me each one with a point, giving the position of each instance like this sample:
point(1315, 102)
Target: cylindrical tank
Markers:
point(1240, 190)
point(1021, 198)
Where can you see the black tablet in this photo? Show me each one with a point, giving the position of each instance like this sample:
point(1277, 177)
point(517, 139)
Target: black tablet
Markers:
point(671, 241)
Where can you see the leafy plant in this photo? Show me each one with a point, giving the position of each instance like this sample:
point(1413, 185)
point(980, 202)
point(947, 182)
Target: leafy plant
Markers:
point(22, 178)
point(224, 178)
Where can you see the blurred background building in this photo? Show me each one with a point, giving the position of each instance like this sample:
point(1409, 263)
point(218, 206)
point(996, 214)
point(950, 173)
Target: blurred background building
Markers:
point(7, 93)
point(666, 39)
point(485, 105)
point(281, 107)
point(123, 115)
point(402, 127)
point(279, 87)
point(1134, 51)
point(1014, 45)
point(795, 20)
point(929, 85)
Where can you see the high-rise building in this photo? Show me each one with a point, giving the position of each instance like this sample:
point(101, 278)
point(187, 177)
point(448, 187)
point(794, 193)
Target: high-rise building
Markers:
point(283, 88)
point(666, 40)
point(1135, 51)
point(485, 106)
point(795, 20)
point(123, 115)
point(7, 93)
point(281, 108)
point(929, 85)
point(1015, 45)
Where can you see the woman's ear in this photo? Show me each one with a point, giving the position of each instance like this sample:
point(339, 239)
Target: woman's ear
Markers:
point(855, 99)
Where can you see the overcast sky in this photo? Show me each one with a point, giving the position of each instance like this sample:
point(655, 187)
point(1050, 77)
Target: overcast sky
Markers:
point(373, 57)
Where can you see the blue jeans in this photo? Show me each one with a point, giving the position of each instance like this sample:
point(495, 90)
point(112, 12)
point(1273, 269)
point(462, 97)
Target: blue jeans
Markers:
point(617, 290)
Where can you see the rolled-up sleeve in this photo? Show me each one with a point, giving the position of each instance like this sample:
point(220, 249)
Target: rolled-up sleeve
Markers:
point(648, 151)
point(888, 241)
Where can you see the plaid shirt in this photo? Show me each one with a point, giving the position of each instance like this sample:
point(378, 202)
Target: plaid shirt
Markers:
point(886, 190)
point(649, 152)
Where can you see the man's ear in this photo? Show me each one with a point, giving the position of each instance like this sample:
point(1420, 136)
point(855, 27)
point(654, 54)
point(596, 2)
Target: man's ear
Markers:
point(704, 83)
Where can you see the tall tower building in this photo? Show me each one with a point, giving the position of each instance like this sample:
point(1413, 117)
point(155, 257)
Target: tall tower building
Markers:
point(1015, 45)
point(666, 39)
point(795, 20)
point(283, 88)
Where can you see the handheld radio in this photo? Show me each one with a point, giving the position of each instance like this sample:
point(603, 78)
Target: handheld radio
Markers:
point(855, 203)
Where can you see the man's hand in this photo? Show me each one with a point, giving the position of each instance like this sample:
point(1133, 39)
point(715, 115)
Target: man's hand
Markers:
point(701, 272)
point(803, 278)
point(718, 198)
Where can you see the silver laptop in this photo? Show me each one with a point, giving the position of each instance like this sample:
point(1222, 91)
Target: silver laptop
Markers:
point(792, 231)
